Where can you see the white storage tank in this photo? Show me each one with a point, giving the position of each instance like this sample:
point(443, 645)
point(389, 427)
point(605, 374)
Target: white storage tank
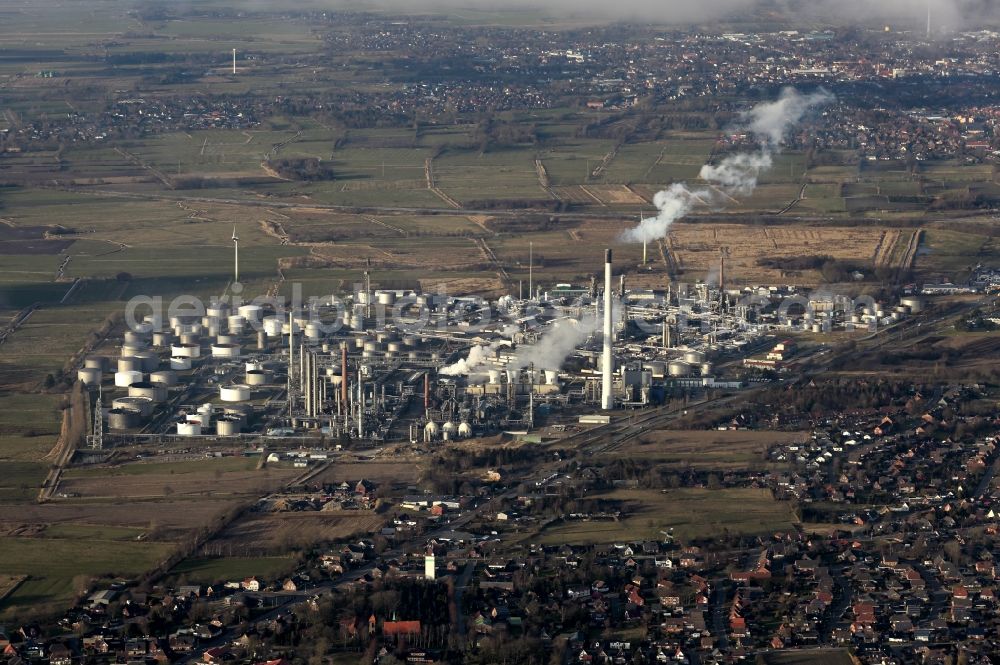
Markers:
point(227, 339)
point(257, 377)
point(551, 377)
point(228, 426)
point(236, 324)
point(273, 326)
point(251, 313)
point(90, 376)
point(129, 364)
point(141, 405)
point(127, 378)
point(152, 391)
point(96, 362)
point(234, 393)
point(165, 378)
point(185, 351)
point(150, 360)
point(464, 430)
point(123, 419)
point(189, 428)
point(162, 339)
point(694, 357)
point(679, 368)
point(915, 304)
point(228, 351)
point(180, 364)
point(136, 339)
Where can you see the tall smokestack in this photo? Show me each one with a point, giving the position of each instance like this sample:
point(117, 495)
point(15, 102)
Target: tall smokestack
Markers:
point(427, 392)
point(607, 361)
point(343, 376)
point(722, 273)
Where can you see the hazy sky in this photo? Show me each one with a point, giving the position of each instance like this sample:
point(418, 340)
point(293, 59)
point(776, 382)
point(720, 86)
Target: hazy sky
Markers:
point(946, 13)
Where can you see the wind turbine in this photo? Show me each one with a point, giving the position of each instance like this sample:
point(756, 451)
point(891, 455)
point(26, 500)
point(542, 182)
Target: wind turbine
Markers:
point(236, 257)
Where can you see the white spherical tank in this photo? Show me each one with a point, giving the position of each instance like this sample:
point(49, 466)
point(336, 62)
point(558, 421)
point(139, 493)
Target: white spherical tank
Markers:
point(127, 378)
point(180, 364)
point(90, 376)
point(431, 429)
point(185, 351)
point(227, 351)
point(189, 428)
point(465, 430)
point(449, 430)
point(234, 393)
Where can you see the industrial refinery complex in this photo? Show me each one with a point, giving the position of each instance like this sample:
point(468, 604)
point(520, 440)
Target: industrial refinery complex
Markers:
point(384, 365)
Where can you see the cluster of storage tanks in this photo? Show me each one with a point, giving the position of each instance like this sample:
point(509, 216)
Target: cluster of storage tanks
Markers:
point(146, 379)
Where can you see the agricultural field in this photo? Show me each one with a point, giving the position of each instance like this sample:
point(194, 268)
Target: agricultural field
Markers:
point(690, 512)
point(223, 569)
point(274, 533)
point(722, 450)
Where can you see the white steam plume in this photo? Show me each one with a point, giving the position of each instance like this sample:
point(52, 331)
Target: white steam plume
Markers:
point(734, 175)
point(556, 344)
point(478, 356)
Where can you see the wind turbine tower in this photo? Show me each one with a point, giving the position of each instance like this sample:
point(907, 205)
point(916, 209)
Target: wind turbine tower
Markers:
point(236, 256)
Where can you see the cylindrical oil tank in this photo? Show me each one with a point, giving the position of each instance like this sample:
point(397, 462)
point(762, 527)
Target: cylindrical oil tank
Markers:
point(242, 411)
point(129, 364)
point(395, 347)
point(217, 310)
point(273, 326)
point(136, 339)
point(915, 304)
point(227, 426)
point(551, 377)
point(122, 419)
point(707, 369)
point(190, 338)
point(150, 360)
point(162, 339)
point(230, 351)
point(227, 339)
point(166, 377)
point(153, 391)
point(189, 428)
point(185, 350)
point(214, 330)
point(189, 329)
point(90, 376)
point(678, 368)
point(658, 368)
point(372, 346)
point(251, 313)
point(694, 357)
point(180, 364)
point(130, 350)
point(314, 331)
point(236, 325)
point(234, 393)
point(141, 405)
point(257, 377)
point(96, 362)
point(411, 340)
point(205, 414)
point(385, 297)
point(127, 378)
point(148, 325)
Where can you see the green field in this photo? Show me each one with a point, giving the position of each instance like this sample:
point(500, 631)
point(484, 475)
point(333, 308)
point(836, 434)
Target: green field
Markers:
point(690, 512)
point(223, 569)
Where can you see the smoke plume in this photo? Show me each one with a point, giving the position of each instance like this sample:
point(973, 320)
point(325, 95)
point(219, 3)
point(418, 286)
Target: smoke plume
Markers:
point(556, 344)
point(478, 356)
point(735, 175)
